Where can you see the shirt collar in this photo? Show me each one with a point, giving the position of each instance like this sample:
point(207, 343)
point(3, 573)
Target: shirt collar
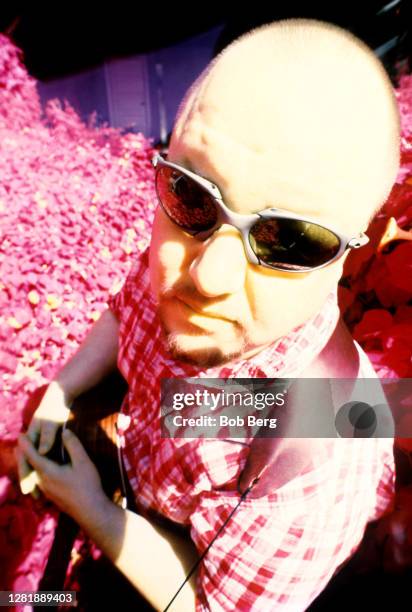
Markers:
point(286, 357)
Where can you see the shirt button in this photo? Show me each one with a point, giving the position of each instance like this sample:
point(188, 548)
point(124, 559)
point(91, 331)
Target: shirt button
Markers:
point(123, 421)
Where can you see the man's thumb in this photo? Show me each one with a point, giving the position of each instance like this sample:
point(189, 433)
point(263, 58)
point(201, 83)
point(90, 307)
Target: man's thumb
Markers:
point(73, 445)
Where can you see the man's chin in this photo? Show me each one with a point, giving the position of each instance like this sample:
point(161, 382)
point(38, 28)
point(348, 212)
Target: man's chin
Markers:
point(202, 351)
point(206, 342)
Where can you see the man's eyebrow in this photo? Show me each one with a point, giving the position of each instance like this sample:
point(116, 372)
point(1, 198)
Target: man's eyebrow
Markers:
point(311, 213)
point(187, 164)
point(184, 163)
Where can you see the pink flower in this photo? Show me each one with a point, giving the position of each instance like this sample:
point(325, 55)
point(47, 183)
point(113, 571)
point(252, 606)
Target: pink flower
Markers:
point(370, 329)
point(76, 204)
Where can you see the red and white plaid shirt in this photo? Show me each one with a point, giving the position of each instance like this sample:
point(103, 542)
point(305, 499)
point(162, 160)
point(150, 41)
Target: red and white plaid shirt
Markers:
point(277, 551)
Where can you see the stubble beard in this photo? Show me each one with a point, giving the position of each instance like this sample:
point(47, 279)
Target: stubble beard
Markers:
point(176, 344)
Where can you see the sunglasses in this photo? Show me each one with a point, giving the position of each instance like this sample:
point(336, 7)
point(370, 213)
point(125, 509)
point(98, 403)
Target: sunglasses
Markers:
point(273, 238)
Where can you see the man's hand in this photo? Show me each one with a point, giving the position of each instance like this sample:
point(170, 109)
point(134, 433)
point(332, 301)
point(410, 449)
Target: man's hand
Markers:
point(75, 488)
point(52, 412)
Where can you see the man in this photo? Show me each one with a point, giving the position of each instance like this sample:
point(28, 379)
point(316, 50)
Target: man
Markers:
point(297, 116)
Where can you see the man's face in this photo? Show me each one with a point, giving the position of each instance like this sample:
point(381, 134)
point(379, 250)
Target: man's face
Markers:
point(214, 305)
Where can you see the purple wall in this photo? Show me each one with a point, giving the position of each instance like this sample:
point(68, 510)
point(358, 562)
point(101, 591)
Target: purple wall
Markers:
point(140, 92)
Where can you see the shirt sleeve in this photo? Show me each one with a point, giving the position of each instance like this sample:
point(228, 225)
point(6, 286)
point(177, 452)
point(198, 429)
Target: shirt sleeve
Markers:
point(116, 302)
point(132, 287)
point(385, 493)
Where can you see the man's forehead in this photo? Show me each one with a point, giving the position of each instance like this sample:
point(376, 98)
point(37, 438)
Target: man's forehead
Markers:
point(252, 180)
point(240, 176)
point(298, 128)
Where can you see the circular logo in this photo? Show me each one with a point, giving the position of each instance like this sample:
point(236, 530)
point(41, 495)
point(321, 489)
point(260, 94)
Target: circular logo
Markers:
point(360, 420)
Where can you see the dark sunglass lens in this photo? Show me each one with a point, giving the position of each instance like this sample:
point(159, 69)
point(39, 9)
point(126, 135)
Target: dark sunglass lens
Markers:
point(292, 244)
point(184, 201)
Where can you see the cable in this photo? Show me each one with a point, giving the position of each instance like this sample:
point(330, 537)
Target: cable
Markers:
point(219, 531)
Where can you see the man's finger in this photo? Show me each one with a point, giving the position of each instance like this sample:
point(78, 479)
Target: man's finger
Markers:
point(33, 431)
point(42, 464)
point(47, 436)
point(22, 466)
point(24, 469)
point(28, 479)
point(74, 447)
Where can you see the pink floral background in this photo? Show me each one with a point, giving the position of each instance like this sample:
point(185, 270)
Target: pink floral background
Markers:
point(76, 204)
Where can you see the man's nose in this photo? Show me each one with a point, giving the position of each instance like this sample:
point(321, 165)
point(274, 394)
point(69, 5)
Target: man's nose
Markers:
point(220, 265)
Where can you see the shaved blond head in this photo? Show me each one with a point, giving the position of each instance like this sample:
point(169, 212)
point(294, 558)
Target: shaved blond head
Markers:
point(298, 114)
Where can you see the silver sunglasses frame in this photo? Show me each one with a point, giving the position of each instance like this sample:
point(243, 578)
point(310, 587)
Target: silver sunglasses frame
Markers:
point(244, 223)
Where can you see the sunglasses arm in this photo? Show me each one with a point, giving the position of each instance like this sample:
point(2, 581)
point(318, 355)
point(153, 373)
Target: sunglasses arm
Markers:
point(358, 241)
